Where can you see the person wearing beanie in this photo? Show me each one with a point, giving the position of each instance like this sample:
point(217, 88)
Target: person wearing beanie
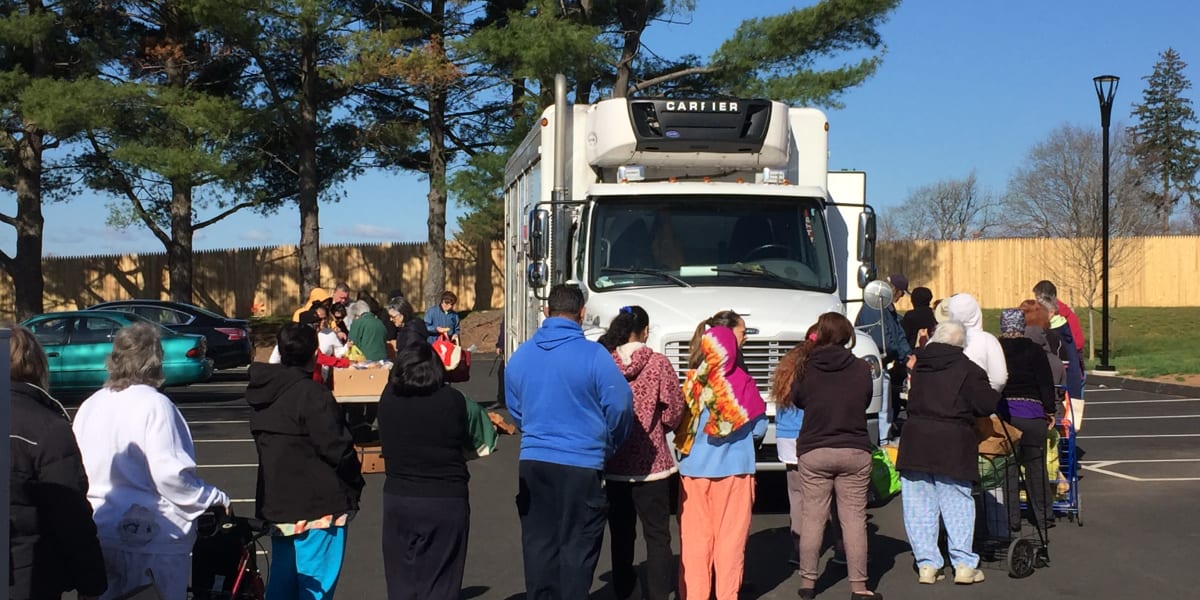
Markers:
point(1028, 403)
point(920, 317)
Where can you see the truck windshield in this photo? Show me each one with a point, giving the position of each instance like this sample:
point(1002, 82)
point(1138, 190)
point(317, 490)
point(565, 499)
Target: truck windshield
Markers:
point(744, 241)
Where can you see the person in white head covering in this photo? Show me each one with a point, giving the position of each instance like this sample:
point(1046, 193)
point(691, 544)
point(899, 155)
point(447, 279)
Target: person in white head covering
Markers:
point(982, 347)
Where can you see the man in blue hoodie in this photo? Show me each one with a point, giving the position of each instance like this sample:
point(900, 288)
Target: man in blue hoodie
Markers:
point(574, 409)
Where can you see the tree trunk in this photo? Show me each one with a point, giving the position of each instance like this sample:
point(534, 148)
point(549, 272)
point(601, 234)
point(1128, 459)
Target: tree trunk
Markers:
point(483, 275)
point(306, 138)
point(435, 252)
point(179, 251)
point(26, 269)
point(633, 23)
point(435, 273)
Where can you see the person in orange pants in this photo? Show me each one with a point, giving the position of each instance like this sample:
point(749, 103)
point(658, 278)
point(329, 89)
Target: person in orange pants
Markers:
point(724, 413)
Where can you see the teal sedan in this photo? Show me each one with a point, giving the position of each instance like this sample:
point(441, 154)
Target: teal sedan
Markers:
point(78, 342)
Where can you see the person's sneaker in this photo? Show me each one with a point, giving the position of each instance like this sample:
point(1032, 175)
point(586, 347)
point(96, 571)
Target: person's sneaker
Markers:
point(930, 575)
point(967, 575)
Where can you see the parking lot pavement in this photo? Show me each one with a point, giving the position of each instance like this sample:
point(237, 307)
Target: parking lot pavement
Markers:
point(1138, 496)
point(1140, 437)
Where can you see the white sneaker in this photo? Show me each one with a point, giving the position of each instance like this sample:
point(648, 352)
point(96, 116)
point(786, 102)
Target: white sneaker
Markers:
point(967, 575)
point(930, 575)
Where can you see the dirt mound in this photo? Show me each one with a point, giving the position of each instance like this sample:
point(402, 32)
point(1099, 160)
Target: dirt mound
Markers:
point(481, 329)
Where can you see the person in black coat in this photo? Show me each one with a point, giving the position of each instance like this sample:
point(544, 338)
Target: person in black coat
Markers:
point(920, 317)
point(411, 330)
point(937, 459)
point(309, 477)
point(833, 451)
point(1030, 404)
point(423, 426)
point(52, 543)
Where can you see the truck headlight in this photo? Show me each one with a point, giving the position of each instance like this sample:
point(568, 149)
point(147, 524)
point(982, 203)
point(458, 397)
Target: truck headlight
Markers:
point(876, 368)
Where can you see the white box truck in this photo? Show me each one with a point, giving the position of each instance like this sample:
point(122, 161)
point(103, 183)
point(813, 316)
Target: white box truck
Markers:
point(686, 208)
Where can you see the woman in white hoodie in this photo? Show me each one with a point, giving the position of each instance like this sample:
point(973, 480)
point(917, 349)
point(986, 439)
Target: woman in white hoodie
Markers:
point(141, 469)
point(982, 347)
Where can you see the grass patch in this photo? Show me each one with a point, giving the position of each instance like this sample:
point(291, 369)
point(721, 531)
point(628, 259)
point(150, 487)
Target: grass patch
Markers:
point(1146, 342)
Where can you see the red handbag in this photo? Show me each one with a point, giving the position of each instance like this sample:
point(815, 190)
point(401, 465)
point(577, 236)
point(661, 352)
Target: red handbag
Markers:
point(456, 359)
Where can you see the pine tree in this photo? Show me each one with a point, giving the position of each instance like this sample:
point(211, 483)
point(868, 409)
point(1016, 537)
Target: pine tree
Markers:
point(46, 67)
point(1165, 144)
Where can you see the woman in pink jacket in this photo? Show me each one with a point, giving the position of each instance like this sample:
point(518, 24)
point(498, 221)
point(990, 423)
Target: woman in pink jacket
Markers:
point(638, 475)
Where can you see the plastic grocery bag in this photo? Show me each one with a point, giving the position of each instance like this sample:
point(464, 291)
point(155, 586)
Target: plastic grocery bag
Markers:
point(885, 480)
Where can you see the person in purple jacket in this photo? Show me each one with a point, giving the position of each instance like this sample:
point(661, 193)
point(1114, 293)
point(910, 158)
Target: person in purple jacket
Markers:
point(1029, 403)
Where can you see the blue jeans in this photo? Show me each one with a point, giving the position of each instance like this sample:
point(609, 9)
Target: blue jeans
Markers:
point(927, 497)
point(885, 409)
point(306, 566)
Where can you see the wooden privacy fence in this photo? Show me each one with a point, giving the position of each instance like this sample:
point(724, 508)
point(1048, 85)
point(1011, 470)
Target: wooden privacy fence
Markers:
point(1148, 271)
point(264, 281)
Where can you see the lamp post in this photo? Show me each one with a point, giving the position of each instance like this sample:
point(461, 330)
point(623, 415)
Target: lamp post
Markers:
point(1106, 88)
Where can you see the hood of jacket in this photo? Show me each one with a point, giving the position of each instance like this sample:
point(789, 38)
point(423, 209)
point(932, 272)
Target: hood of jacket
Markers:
point(937, 356)
point(556, 331)
point(38, 396)
point(631, 358)
point(831, 358)
point(964, 308)
point(269, 381)
point(1038, 335)
point(721, 351)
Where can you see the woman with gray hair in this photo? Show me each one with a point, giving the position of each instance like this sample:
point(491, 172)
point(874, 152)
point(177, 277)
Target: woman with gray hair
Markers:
point(411, 331)
point(937, 460)
point(141, 468)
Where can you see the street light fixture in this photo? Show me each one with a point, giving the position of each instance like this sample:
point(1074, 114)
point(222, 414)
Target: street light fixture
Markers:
point(1106, 89)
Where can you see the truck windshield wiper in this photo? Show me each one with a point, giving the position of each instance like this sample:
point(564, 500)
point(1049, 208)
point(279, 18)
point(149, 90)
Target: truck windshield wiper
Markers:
point(655, 272)
point(758, 271)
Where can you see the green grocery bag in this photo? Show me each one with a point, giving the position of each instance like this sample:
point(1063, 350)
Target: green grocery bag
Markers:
point(885, 480)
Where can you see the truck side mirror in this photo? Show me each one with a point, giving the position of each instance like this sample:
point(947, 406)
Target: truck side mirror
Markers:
point(537, 274)
point(866, 274)
point(866, 237)
point(539, 244)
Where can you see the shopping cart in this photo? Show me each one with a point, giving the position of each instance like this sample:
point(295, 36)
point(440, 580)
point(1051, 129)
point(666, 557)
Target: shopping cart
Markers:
point(224, 558)
point(1067, 500)
point(1002, 539)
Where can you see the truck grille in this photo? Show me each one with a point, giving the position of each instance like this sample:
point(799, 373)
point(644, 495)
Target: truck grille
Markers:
point(762, 356)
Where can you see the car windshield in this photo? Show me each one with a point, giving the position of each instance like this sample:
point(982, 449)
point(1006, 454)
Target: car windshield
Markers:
point(756, 241)
point(162, 331)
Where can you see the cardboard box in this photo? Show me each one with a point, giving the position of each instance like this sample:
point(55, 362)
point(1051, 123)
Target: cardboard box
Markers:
point(359, 382)
point(371, 458)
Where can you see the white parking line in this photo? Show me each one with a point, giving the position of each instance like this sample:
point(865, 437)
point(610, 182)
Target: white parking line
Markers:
point(241, 500)
point(223, 441)
point(234, 466)
point(1093, 391)
point(1163, 401)
point(216, 422)
point(1102, 468)
point(1138, 417)
point(1101, 463)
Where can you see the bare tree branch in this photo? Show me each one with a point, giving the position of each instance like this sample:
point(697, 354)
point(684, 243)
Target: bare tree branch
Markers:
point(127, 188)
point(641, 85)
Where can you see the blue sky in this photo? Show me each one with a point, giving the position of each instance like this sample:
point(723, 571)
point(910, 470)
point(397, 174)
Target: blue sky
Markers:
point(965, 84)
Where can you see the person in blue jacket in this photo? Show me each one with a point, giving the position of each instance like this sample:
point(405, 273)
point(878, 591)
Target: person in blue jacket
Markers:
point(442, 320)
point(574, 408)
point(896, 350)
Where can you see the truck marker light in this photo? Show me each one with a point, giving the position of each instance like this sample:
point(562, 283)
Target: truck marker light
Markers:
point(546, 122)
